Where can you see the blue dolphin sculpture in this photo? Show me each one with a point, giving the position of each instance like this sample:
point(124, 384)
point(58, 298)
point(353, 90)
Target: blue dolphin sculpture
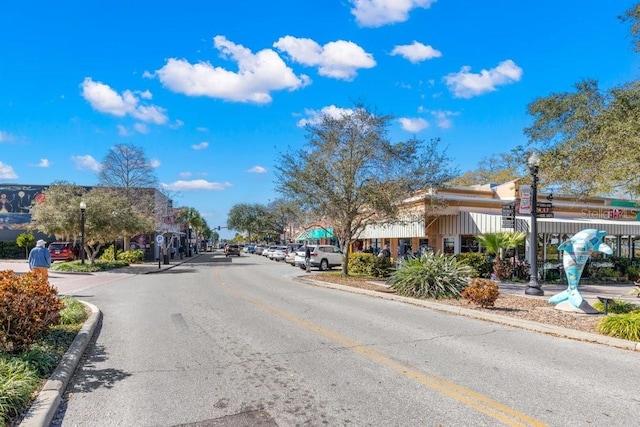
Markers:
point(577, 251)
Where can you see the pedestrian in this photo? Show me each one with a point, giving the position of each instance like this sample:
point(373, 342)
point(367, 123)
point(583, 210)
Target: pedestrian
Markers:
point(181, 251)
point(40, 260)
point(172, 251)
point(307, 259)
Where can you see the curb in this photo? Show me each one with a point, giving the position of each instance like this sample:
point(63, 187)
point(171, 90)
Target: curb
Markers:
point(45, 406)
point(495, 318)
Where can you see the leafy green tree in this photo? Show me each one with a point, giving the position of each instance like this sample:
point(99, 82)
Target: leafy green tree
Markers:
point(590, 136)
point(108, 216)
point(351, 173)
point(252, 219)
point(27, 241)
point(58, 214)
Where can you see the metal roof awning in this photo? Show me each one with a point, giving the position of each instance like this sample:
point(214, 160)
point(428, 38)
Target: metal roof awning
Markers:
point(574, 225)
point(316, 234)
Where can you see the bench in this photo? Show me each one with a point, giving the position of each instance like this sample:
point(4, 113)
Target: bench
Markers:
point(606, 301)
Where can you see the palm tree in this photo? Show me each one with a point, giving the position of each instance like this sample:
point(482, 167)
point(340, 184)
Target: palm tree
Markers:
point(496, 244)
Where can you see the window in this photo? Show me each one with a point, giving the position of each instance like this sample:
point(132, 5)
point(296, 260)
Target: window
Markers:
point(449, 245)
point(469, 244)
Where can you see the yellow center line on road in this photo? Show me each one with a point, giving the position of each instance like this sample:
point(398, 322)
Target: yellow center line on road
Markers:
point(477, 401)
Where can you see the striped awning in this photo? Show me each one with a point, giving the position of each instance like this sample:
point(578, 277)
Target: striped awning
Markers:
point(316, 234)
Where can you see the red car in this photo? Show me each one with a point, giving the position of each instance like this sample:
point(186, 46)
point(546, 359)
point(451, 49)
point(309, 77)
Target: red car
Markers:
point(62, 251)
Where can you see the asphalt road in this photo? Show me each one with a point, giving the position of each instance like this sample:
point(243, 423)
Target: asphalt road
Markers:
point(240, 342)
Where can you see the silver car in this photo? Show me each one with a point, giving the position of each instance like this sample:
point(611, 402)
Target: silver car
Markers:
point(323, 257)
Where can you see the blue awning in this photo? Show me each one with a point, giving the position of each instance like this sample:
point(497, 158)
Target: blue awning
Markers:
point(316, 234)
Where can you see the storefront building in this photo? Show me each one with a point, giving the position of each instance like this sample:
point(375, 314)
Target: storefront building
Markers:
point(447, 220)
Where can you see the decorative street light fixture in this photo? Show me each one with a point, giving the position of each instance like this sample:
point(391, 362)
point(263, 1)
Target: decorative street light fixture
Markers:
point(83, 208)
point(533, 287)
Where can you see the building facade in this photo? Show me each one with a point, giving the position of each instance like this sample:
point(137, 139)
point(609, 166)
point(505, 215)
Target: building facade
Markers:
point(448, 219)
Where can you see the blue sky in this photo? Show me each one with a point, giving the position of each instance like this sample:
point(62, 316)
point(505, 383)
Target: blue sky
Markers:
point(215, 91)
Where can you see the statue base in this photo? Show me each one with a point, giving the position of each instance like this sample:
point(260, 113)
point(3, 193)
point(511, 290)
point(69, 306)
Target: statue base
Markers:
point(585, 308)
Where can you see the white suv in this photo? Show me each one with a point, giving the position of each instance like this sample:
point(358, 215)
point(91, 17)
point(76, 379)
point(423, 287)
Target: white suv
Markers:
point(323, 257)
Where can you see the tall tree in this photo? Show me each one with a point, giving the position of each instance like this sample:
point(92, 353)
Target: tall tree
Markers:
point(350, 172)
point(108, 216)
point(632, 16)
point(283, 215)
point(127, 166)
point(127, 170)
point(251, 219)
point(590, 139)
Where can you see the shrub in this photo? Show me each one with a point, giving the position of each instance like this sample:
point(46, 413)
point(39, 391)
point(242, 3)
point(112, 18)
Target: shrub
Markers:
point(73, 311)
point(624, 326)
point(480, 263)
point(17, 383)
point(107, 254)
point(28, 306)
point(430, 276)
point(133, 256)
point(11, 250)
point(482, 292)
point(382, 267)
point(99, 265)
point(360, 263)
point(617, 307)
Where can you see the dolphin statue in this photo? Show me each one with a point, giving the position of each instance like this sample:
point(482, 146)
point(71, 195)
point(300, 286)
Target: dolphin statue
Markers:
point(577, 251)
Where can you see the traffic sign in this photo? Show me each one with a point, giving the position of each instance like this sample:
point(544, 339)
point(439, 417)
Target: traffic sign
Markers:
point(159, 239)
point(544, 210)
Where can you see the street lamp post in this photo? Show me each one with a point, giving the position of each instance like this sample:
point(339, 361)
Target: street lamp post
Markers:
point(83, 208)
point(533, 287)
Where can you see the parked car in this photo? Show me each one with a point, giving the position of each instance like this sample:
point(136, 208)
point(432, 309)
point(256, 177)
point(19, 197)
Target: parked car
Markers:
point(290, 257)
point(267, 251)
point(323, 257)
point(62, 251)
point(232, 250)
point(258, 249)
point(278, 253)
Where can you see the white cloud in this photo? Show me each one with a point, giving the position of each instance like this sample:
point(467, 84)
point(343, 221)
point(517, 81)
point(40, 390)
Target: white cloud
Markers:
point(466, 84)
point(106, 100)
point(177, 124)
point(416, 52)
point(413, 124)
point(257, 169)
point(376, 13)
point(443, 120)
point(200, 146)
point(6, 137)
point(44, 163)
point(154, 163)
point(185, 174)
point(339, 59)
point(314, 117)
point(258, 75)
point(141, 128)
point(86, 163)
point(123, 131)
point(196, 184)
point(145, 95)
point(7, 172)
point(202, 129)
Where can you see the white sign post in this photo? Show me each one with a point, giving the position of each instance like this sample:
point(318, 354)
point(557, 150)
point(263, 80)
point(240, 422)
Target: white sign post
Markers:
point(160, 241)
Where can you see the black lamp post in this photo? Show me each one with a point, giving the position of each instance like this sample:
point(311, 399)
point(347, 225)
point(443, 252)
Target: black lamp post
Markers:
point(83, 208)
point(533, 287)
